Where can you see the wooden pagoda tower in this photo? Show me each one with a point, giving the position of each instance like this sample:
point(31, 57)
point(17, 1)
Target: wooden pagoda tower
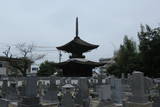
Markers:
point(77, 65)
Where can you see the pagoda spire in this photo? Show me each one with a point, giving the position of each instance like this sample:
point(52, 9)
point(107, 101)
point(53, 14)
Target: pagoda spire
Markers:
point(77, 27)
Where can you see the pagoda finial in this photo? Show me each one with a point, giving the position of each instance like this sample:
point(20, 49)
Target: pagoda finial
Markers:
point(76, 26)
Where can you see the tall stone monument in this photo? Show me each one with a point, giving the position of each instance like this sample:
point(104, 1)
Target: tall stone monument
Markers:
point(116, 87)
point(138, 98)
point(67, 100)
point(82, 96)
point(30, 98)
point(51, 94)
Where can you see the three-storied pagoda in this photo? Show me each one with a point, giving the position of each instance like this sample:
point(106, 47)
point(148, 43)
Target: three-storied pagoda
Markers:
point(77, 65)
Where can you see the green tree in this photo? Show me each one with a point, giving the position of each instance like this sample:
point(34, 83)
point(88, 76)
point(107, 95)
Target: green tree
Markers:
point(150, 50)
point(46, 69)
point(126, 58)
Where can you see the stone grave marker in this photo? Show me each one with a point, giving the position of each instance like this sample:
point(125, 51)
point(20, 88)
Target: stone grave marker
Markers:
point(138, 97)
point(30, 98)
point(4, 88)
point(116, 87)
point(104, 92)
point(12, 92)
point(67, 100)
point(82, 96)
point(4, 102)
point(51, 94)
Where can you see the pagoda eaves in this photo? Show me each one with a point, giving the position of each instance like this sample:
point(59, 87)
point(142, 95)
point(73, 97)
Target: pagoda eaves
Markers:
point(78, 67)
point(77, 45)
point(80, 61)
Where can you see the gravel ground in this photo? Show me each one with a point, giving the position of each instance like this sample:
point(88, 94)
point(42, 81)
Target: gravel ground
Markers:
point(96, 103)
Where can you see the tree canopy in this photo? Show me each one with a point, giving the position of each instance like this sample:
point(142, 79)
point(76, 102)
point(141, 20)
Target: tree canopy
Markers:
point(126, 58)
point(145, 57)
point(150, 50)
point(46, 69)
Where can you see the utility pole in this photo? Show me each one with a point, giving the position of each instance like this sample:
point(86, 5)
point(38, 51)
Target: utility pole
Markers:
point(60, 56)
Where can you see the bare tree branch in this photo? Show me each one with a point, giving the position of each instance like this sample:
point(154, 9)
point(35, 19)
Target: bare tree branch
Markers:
point(7, 52)
point(24, 59)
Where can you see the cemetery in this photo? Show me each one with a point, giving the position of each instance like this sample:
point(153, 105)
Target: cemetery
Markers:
point(78, 86)
point(109, 91)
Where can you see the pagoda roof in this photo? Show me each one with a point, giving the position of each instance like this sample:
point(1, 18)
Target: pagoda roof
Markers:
point(77, 45)
point(80, 61)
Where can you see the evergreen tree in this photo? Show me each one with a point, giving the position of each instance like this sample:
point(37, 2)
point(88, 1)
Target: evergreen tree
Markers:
point(126, 59)
point(150, 50)
point(46, 69)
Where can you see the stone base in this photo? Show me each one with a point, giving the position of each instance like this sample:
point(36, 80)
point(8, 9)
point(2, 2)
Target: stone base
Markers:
point(156, 101)
point(49, 105)
point(30, 102)
point(4, 102)
point(133, 104)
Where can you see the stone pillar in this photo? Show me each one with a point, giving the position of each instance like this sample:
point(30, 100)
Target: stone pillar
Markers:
point(4, 88)
point(137, 87)
point(116, 87)
point(122, 76)
point(138, 98)
point(31, 86)
point(51, 94)
point(12, 93)
point(67, 100)
point(30, 98)
point(104, 92)
point(4, 102)
point(82, 97)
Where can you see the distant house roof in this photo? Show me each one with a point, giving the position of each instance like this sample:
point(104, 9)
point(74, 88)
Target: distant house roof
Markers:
point(4, 58)
point(107, 60)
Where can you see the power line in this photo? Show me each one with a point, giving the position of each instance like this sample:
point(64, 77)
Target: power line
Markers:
point(45, 46)
point(46, 50)
point(37, 46)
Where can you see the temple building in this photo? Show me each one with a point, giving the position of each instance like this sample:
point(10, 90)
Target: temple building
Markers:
point(77, 65)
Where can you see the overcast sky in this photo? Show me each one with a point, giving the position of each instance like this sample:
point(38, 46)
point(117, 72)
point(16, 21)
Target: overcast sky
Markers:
point(51, 23)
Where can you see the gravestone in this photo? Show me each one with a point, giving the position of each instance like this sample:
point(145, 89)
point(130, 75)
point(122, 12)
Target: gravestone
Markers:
point(137, 87)
point(21, 90)
point(116, 87)
point(82, 96)
point(40, 89)
point(156, 101)
point(67, 100)
point(104, 92)
point(4, 88)
point(51, 94)
point(148, 85)
point(30, 98)
point(4, 102)
point(74, 81)
point(12, 92)
point(138, 98)
point(62, 81)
